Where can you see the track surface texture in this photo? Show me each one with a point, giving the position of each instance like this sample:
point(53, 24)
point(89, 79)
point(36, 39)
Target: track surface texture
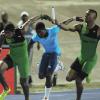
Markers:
point(89, 94)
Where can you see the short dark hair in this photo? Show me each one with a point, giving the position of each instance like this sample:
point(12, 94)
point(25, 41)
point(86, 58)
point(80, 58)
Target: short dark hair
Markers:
point(9, 27)
point(40, 25)
point(93, 11)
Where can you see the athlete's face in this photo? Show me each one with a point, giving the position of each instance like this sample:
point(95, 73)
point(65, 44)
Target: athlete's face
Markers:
point(41, 32)
point(89, 17)
point(9, 34)
point(25, 18)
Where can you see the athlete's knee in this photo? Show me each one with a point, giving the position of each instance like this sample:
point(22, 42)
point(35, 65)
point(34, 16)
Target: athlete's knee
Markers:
point(48, 81)
point(41, 76)
point(2, 65)
point(69, 79)
point(71, 75)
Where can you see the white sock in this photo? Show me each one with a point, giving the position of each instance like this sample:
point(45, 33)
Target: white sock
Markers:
point(47, 92)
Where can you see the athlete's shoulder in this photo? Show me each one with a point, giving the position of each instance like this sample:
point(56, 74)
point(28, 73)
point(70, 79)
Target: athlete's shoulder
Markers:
point(34, 35)
point(35, 38)
point(54, 29)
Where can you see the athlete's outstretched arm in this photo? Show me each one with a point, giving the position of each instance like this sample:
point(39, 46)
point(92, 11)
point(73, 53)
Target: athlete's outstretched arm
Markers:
point(66, 22)
point(73, 29)
point(31, 20)
point(61, 25)
point(75, 18)
point(46, 17)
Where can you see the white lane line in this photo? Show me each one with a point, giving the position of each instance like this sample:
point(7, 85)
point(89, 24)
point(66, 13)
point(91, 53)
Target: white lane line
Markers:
point(59, 95)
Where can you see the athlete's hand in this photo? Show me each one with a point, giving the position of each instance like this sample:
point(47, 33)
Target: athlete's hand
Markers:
point(76, 18)
point(79, 19)
point(46, 17)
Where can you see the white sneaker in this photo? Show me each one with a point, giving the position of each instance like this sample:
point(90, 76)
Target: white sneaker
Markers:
point(59, 66)
point(45, 98)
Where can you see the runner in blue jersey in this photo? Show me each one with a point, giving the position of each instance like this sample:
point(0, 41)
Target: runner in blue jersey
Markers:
point(49, 40)
point(50, 43)
point(48, 37)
